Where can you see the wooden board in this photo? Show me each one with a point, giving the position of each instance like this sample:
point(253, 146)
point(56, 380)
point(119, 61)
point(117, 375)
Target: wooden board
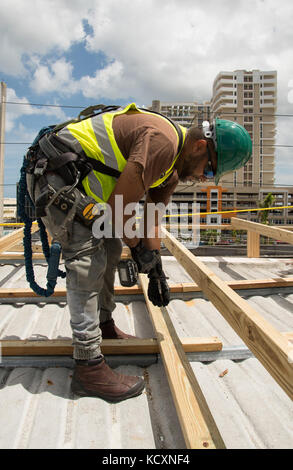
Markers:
point(5, 254)
point(13, 238)
point(198, 426)
point(253, 246)
point(20, 256)
point(19, 292)
point(109, 346)
point(267, 230)
point(266, 343)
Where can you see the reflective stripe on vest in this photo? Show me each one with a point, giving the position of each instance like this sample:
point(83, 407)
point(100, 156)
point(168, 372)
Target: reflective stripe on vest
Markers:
point(95, 137)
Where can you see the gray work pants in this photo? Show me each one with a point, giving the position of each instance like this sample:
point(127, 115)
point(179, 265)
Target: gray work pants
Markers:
point(90, 272)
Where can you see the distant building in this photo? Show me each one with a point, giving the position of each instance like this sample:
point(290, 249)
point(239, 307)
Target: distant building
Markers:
point(184, 113)
point(213, 199)
point(249, 98)
point(9, 210)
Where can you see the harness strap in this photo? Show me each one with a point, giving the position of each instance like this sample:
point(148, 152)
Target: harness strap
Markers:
point(54, 148)
point(60, 149)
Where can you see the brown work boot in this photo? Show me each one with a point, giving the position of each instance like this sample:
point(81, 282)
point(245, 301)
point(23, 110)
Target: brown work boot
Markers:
point(96, 379)
point(111, 331)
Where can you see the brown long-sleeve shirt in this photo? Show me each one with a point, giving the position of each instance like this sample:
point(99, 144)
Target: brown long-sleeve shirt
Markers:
point(150, 141)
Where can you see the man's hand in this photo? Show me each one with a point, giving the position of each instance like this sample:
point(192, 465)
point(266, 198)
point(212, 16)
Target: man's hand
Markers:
point(145, 259)
point(158, 290)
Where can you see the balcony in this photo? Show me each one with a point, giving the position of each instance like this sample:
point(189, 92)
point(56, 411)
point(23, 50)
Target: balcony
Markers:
point(221, 91)
point(269, 80)
point(268, 105)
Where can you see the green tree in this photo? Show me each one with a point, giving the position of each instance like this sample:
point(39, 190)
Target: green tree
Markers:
point(211, 236)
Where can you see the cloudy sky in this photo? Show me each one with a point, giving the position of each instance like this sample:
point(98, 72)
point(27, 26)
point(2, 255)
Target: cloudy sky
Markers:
point(83, 52)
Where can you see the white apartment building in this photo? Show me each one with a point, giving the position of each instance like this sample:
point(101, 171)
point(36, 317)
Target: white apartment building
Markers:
point(249, 98)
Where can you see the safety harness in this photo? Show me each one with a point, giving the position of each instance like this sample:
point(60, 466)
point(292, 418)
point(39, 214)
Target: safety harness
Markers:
point(49, 153)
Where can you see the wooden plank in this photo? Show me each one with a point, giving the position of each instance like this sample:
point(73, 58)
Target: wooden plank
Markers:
point(20, 256)
point(267, 344)
point(13, 238)
point(17, 292)
point(109, 346)
point(198, 426)
point(39, 255)
point(253, 245)
point(35, 247)
point(266, 230)
point(288, 335)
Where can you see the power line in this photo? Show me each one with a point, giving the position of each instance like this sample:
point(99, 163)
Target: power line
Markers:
point(254, 145)
point(250, 114)
point(45, 105)
point(82, 107)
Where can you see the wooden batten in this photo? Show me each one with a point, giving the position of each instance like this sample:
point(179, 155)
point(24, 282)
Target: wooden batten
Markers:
point(61, 347)
point(276, 233)
point(8, 241)
point(267, 344)
point(198, 426)
point(19, 292)
point(253, 245)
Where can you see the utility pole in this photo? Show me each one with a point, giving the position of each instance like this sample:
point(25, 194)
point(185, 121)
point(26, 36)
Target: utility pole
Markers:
point(2, 141)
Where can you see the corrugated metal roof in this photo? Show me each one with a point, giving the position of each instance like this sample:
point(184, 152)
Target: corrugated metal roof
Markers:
point(250, 409)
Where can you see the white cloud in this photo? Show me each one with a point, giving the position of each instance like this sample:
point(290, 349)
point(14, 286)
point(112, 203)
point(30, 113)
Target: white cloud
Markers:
point(55, 76)
point(106, 82)
point(14, 113)
point(38, 27)
point(173, 50)
point(155, 49)
point(166, 49)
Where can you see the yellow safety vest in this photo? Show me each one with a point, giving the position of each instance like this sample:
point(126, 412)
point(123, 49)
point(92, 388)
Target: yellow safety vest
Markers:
point(95, 137)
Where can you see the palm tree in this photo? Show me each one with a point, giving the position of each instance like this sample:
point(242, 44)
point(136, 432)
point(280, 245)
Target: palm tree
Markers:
point(267, 202)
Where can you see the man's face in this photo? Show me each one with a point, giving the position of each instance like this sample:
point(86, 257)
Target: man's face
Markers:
point(195, 161)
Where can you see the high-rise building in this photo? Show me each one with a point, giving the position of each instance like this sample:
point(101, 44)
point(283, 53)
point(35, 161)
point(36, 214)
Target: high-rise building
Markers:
point(249, 98)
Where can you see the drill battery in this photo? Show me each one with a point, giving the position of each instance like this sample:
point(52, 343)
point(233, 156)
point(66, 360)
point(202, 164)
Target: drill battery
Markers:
point(87, 209)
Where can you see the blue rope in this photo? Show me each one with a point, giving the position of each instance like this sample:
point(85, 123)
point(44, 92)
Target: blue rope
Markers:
point(52, 256)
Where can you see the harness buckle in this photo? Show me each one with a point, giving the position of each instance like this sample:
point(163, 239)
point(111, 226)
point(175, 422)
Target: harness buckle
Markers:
point(40, 167)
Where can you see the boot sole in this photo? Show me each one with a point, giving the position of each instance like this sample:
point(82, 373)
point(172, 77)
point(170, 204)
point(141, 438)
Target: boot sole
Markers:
point(79, 390)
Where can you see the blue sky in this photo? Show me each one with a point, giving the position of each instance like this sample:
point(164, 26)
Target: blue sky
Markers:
point(83, 52)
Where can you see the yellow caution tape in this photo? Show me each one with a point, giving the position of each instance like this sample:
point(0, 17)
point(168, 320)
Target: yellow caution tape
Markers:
point(185, 215)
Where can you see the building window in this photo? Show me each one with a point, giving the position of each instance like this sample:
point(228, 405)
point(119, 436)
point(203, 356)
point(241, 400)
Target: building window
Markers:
point(214, 220)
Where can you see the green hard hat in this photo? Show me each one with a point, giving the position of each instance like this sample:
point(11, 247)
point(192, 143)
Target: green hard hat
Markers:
point(233, 145)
